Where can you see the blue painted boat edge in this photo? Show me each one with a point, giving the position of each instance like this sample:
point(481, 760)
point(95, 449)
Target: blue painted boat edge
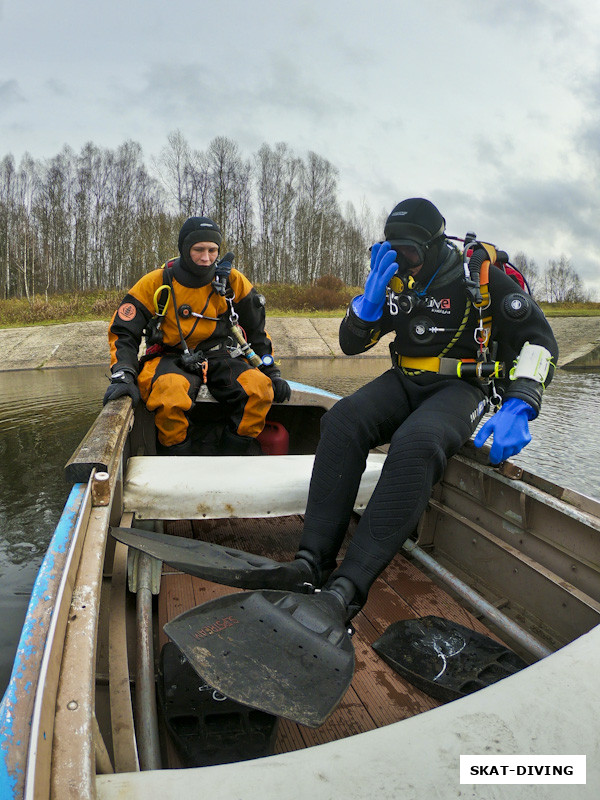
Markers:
point(305, 387)
point(12, 775)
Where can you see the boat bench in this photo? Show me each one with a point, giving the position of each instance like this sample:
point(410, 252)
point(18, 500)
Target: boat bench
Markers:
point(217, 487)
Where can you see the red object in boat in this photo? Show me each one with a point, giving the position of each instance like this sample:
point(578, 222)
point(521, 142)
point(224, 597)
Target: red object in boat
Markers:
point(274, 439)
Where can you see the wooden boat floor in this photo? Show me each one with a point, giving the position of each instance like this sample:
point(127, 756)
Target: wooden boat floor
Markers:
point(377, 695)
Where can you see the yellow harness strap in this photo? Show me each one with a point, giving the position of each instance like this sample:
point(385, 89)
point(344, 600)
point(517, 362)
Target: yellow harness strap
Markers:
point(458, 367)
point(441, 365)
point(429, 363)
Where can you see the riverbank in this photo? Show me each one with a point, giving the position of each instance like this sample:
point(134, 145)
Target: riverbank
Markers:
point(85, 343)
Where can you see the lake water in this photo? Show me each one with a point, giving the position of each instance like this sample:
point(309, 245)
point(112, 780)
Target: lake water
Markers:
point(44, 414)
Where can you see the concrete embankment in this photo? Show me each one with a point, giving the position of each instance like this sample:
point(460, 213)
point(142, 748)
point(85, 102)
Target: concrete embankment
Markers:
point(85, 343)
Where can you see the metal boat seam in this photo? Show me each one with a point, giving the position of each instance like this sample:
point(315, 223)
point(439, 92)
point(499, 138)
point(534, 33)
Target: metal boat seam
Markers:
point(537, 494)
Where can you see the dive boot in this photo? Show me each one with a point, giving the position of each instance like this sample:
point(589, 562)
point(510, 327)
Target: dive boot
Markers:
point(181, 449)
point(346, 594)
point(232, 444)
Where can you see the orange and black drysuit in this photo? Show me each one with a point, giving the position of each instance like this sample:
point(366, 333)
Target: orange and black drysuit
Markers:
point(165, 386)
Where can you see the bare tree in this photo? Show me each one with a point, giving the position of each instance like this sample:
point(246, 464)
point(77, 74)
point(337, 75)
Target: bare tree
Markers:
point(314, 217)
point(7, 203)
point(99, 219)
point(174, 168)
point(277, 177)
point(354, 238)
point(529, 269)
point(562, 283)
point(53, 212)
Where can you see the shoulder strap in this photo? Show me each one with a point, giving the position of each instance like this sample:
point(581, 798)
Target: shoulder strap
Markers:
point(163, 292)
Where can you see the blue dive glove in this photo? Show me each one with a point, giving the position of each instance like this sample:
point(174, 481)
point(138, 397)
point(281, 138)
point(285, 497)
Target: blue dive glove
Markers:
point(510, 429)
point(369, 306)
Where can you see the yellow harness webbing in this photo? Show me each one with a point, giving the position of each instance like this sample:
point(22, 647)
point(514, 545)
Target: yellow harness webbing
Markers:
point(457, 367)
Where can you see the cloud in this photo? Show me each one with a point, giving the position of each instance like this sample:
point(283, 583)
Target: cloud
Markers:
point(526, 16)
point(277, 103)
point(57, 88)
point(588, 136)
point(543, 218)
point(10, 94)
point(493, 152)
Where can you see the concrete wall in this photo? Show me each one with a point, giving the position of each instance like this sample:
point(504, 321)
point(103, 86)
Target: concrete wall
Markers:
point(85, 343)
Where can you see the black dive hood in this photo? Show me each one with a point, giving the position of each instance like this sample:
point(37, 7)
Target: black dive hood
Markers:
point(417, 223)
point(193, 230)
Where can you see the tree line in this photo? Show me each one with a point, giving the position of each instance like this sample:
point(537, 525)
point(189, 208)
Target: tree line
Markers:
point(101, 218)
point(559, 282)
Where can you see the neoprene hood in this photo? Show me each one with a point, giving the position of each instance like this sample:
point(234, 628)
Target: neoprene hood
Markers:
point(193, 230)
point(416, 222)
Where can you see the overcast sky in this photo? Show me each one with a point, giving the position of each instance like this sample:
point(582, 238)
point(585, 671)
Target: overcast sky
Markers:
point(489, 108)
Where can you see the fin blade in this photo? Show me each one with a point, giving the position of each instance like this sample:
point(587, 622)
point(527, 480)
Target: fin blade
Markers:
point(285, 653)
point(213, 562)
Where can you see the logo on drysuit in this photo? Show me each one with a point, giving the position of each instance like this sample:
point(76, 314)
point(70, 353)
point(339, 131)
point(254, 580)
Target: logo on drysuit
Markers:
point(397, 303)
point(479, 412)
point(126, 312)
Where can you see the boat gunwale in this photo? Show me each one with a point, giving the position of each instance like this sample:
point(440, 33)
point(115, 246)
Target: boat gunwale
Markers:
point(46, 621)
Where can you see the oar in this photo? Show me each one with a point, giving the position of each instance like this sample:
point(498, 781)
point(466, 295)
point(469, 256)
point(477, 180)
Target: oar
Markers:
point(284, 653)
point(216, 563)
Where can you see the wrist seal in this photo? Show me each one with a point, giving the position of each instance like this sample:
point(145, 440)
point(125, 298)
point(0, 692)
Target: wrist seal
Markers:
point(528, 376)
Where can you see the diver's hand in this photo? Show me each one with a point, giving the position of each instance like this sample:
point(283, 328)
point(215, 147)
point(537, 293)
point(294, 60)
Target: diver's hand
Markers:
point(122, 383)
point(510, 428)
point(282, 391)
point(369, 306)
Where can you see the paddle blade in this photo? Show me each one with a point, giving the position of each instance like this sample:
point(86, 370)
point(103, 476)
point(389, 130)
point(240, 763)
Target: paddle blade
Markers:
point(212, 562)
point(284, 653)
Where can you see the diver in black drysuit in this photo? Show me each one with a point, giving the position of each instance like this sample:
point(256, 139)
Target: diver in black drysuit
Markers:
point(425, 416)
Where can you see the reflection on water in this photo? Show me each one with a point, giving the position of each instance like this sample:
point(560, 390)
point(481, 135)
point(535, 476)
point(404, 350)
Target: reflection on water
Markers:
point(44, 414)
point(566, 436)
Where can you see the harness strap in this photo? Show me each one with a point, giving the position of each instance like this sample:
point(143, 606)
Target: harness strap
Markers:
point(457, 367)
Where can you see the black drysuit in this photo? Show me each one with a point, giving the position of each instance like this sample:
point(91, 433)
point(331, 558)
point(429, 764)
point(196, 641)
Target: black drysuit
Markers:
point(425, 417)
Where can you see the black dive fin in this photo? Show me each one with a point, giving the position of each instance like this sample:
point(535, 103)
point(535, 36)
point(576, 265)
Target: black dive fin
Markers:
point(444, 659)
point(205, 726)
point(284, 653)
point(219, 564)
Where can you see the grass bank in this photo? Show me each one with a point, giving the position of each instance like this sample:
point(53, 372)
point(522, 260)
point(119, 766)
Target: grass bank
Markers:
point(327, 298)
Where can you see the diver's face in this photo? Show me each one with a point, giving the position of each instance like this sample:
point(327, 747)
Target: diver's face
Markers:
point(204, 254)
point(412, 258)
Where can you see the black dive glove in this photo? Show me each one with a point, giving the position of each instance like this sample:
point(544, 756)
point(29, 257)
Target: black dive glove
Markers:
point(122, 383)
point(222, 272)
point(281, 389)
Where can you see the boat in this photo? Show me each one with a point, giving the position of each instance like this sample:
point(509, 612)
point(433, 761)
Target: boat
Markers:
point(103, 704)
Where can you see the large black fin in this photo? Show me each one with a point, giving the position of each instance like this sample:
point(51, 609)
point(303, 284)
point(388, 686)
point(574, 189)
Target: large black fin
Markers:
point(444, 659)
point(219, 564)
point(285, 653)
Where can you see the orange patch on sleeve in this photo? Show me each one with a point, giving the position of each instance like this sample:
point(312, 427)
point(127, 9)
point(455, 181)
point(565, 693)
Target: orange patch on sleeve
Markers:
point(126, 312)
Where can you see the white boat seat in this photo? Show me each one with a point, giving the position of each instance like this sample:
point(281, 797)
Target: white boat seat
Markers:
point(214, 487)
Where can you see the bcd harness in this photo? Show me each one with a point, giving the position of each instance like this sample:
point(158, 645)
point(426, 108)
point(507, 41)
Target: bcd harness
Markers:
point(196, 361)
point(478, 257)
